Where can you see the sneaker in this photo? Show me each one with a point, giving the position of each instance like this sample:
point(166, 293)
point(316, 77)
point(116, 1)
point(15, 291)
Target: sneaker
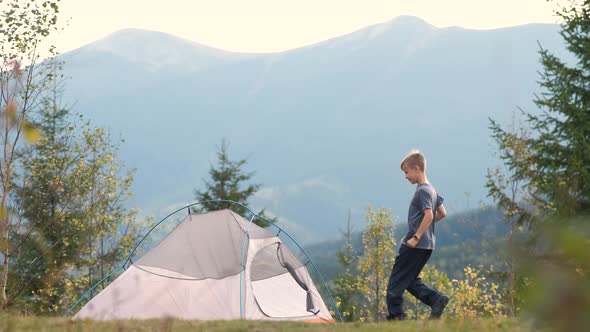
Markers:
point(438, 307)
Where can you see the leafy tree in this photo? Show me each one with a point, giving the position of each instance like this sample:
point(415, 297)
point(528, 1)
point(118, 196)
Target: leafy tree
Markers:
point(347, 283)
point(74, 222)
point(23, 26)
point(505, 186)
point(376, 262)
point(68, 203)
point(228, 181)
point(436, 279)
point(475, 295)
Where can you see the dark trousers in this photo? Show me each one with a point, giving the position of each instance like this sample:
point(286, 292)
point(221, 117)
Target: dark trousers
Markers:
point(406, 269)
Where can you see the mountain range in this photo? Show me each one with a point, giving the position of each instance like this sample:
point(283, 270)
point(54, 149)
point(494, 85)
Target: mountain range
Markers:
point(324, 127)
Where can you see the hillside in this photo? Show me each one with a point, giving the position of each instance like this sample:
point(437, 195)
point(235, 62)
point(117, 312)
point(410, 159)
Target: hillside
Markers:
point(323, 126)
point(470, 238)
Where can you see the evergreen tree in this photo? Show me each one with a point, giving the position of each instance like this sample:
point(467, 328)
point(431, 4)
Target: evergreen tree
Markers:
point(228, 181)
point(556, 170)
point(549, 160)
point(73, 227)
point(75, 223)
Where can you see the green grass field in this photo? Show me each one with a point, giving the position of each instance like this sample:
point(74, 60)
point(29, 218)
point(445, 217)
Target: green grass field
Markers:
point(23, 323)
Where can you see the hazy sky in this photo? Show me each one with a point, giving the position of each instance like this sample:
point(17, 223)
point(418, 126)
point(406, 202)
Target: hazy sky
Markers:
point(276, 25)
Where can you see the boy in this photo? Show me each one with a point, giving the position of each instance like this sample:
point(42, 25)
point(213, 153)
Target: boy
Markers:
point(425, 209)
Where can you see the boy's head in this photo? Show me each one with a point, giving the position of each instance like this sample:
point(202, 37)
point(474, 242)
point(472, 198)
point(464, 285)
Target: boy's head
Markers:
point(414, 159)
point(413, 166)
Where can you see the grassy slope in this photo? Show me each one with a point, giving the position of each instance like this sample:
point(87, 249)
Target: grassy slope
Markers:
point(20, 323)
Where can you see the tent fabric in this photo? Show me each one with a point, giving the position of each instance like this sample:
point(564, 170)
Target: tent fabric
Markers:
point(204, 246)
point(195, 274)
point(270, 261)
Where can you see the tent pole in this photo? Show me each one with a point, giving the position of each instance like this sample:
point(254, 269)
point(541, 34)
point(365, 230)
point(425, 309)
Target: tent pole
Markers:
point(319, 273)
point(90, 290)
point(246, 236)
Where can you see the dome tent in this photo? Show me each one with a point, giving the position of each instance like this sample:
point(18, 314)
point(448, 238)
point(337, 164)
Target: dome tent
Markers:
point(212, 266)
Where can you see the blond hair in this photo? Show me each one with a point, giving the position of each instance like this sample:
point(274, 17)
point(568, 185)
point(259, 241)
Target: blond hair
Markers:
point(414, 158)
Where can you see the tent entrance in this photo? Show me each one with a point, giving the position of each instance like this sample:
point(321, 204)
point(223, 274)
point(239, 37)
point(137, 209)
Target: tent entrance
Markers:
point(280, 283)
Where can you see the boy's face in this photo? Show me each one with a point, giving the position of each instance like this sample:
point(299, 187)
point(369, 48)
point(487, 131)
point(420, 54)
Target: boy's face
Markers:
point(412, 173)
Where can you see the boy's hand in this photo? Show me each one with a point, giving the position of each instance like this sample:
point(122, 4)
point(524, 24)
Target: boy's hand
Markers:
point(412, 243)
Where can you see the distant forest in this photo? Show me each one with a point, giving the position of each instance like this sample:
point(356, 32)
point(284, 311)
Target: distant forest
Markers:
point(476, 237)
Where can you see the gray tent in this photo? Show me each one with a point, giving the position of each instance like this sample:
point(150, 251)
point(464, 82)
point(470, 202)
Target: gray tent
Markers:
point(196, 273)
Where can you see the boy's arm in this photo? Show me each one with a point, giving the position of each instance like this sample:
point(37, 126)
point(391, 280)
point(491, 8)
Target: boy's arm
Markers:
point(441, 212)
point(426, 221)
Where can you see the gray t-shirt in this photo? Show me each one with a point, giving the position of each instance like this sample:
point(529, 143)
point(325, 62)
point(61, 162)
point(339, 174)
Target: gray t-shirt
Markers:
point(424, 198)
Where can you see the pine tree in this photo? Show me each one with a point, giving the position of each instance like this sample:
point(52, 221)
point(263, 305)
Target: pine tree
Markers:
point(549, 161)
point(73, 227)
point(556, 172)
point(228, 181)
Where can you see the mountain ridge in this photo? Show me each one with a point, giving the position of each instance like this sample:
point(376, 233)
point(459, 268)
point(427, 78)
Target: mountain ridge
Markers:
point(324, 127)
point(123, 36)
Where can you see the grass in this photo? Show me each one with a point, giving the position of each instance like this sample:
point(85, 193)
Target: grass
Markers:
point(30, 323)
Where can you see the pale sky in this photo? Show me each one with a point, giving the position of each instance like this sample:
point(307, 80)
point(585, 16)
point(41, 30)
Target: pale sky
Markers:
point(278, 25)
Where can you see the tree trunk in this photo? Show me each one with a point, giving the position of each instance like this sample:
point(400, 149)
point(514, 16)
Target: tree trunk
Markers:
point(511, 251)
point(4, 222)
point(6, 252)
point(4, 281)
point(101, 257)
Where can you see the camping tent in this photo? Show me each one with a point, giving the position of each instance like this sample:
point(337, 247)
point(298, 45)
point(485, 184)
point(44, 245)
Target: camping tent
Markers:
point(215, 265)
